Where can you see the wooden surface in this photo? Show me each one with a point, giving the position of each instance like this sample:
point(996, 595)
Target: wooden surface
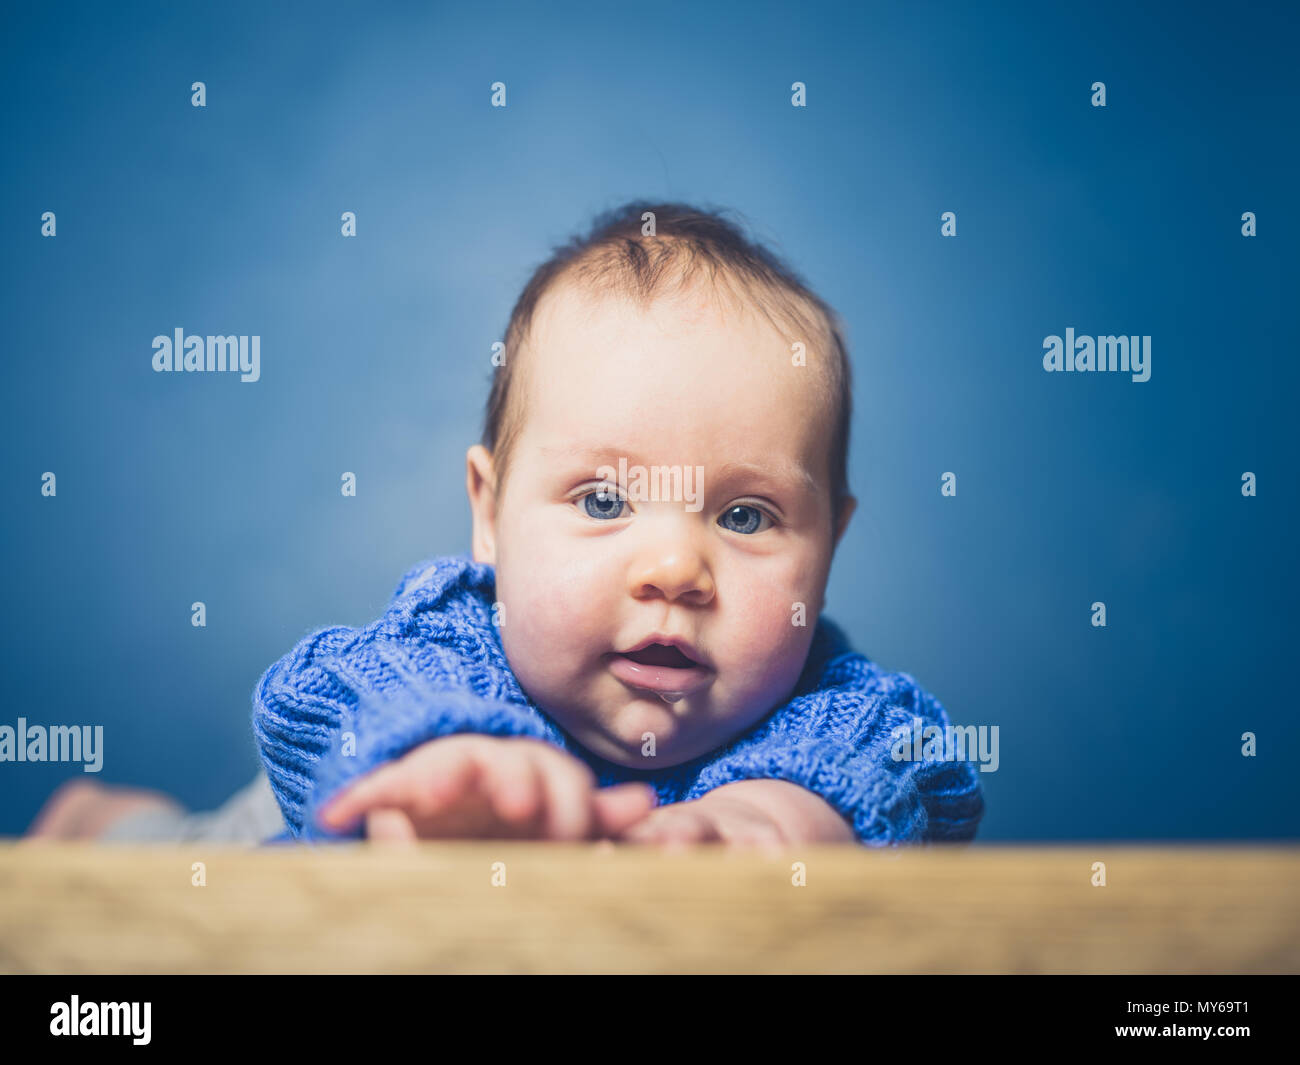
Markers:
point(85, 908)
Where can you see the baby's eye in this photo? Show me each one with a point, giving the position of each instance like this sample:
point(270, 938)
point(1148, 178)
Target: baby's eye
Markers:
point(747, 519)
point(604, 504)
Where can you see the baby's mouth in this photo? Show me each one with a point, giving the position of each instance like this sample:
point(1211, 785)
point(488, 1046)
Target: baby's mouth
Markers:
point(666, 671)
point(661, 654)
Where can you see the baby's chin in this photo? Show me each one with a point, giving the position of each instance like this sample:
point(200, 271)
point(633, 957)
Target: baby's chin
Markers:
point(639, 732)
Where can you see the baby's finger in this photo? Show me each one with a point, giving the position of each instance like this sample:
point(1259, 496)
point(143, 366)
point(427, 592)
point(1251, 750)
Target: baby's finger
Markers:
point(570, 787)
point(444, 777)
point(620, 807)
point(513, 785)
point(389, 826)
point(346, 806)
point(678, 828)
point(425, 785)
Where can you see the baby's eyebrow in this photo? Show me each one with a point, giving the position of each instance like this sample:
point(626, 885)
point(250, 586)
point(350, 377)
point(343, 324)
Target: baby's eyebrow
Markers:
point(579, 451)
point(792, 475)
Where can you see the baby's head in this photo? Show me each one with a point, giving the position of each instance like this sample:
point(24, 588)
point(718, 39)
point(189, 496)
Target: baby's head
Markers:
point(664, 456)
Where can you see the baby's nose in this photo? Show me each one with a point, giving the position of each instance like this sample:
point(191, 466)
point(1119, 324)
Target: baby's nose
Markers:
point(674, 572)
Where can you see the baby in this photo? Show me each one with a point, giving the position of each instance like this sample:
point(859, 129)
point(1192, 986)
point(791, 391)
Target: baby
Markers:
point(636, 649)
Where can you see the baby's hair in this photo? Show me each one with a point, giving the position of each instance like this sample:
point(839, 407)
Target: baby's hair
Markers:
point(617, 255)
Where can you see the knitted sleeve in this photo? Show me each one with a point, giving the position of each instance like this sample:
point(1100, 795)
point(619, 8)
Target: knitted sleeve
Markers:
point(838, 741)
point(345, 701)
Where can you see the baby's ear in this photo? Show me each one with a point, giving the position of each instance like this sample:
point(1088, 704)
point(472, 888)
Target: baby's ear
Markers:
point(480, 485)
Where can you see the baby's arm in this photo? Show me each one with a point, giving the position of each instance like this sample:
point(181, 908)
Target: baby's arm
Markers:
point(323, 721)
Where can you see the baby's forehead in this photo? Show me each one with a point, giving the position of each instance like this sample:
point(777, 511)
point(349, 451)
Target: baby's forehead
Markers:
point(676, 379)
point(578, 329)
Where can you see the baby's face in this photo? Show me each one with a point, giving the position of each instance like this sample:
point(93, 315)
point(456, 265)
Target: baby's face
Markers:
point(731, 562)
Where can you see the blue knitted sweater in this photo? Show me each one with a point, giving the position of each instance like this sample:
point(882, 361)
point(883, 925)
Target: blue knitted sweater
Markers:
point(433, 665)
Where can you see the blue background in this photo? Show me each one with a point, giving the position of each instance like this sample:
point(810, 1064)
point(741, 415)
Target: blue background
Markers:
point(1071, 488)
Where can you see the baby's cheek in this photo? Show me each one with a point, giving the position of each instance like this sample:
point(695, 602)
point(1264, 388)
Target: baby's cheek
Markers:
point(767, 646)
point(767, 607)
point(526, 633)
point(547, 633)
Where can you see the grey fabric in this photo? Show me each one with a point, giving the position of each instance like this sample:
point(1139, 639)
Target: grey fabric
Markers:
point(250, 816)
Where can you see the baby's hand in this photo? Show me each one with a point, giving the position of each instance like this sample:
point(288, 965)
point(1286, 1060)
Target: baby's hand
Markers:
point(476, 786)
point(767, 814)
point(717, 820)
